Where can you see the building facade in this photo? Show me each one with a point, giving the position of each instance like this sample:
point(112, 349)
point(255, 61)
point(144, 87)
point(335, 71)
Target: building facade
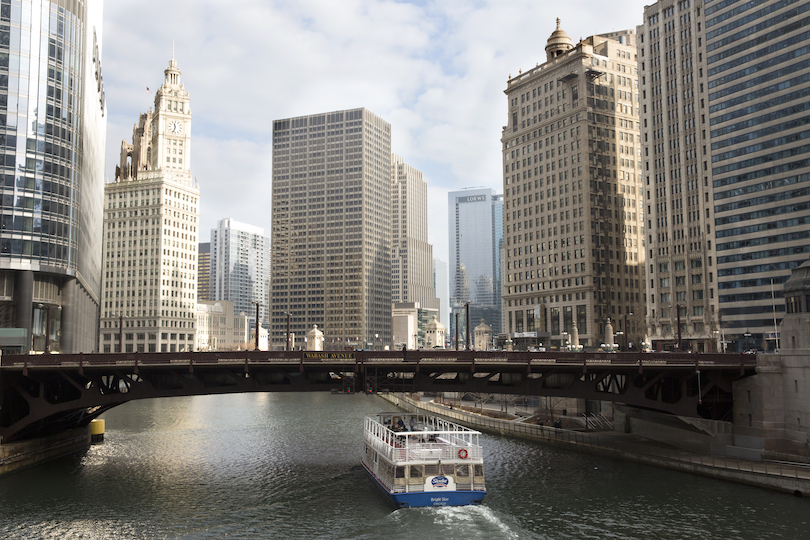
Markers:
point(724, 87)
point(442, 287)
point(240, 268)
point(411, 254)
point(53, 118)
point(331, 238)
point(476, 237)
point(573, 215)
point(151, 219)
point(204, 272)
point(219, 328)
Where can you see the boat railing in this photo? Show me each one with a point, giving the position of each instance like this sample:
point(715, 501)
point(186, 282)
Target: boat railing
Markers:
point(435, 452)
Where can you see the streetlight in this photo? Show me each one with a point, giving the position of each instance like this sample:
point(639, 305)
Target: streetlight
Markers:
point(678, 319)
point(456, 330)
point(256, 345)
point(288, 332)
point(467, 322)
point(625, 329)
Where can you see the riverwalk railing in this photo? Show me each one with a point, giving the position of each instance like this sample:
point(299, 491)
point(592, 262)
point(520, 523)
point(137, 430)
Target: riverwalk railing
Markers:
point(604, 442)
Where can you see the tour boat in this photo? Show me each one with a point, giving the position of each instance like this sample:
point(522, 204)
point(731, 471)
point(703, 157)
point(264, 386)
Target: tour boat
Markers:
point(419, 460)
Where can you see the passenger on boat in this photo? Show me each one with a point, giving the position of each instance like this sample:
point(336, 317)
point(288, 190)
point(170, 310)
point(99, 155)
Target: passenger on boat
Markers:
point(412, 422)
point(401, 424)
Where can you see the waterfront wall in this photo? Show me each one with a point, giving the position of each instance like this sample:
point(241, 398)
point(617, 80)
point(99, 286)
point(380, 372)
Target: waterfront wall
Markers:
point(772, 475)
point(21, 455)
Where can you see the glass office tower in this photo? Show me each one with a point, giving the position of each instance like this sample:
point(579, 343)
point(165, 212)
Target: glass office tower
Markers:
point(476, 240)
point(52, 135)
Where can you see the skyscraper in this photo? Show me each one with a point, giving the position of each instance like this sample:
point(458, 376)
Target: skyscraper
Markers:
point(53, 118)
point(204, 272)
point(572, 194)
point(411, 254)
point(331, 239)
point(476, 237)
point(441, 285)
point(151, 216)
point(240, 268)
point(724, 90)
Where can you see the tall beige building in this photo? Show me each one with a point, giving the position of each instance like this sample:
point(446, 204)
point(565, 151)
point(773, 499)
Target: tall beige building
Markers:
point(573, 215)
point(411, 254)
point(724, 90)
point(331, 238)
point(151, 217)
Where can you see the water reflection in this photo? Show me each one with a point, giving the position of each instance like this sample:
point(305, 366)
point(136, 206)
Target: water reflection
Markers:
point(287, 466)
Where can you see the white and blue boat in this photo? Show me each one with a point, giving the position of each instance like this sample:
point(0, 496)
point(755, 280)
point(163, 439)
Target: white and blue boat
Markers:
point(418, 460)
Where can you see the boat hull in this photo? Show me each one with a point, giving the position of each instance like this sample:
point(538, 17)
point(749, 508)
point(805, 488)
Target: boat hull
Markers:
point(428, 498)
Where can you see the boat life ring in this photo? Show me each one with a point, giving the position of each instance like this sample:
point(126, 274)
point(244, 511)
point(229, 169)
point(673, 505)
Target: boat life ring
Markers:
point(462, 453)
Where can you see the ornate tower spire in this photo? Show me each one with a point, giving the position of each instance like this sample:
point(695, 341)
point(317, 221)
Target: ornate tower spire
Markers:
point(558, 43)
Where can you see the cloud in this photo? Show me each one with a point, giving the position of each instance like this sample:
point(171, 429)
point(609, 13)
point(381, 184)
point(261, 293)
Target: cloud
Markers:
point(435, 70)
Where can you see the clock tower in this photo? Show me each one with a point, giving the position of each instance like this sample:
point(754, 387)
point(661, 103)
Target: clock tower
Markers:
point(171, 127)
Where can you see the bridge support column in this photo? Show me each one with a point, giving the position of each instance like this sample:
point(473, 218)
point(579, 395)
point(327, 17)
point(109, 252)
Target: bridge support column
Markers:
point(24, 454)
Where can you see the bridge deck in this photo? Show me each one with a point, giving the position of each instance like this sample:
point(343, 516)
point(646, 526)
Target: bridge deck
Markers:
point(43, 394)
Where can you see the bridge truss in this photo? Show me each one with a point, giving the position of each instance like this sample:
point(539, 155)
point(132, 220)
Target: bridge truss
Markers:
point(45, 394)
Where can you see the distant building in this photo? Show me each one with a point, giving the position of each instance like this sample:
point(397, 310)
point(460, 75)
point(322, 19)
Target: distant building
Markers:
point(411, 254)
point(476, 237)
point(724, 96)
point(151, 220)
point(54, 124)
point(219, 328)
point(240, 268)
point(441, 286)
point(331, 248)
point(204, 272)
point(573, 194)
point(410, 321)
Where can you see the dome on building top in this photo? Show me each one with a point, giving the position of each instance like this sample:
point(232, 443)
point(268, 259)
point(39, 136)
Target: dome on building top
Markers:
point(558, 43)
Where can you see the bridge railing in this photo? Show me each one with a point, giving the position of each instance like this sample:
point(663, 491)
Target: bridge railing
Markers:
point(602, 440)
point(371, 358)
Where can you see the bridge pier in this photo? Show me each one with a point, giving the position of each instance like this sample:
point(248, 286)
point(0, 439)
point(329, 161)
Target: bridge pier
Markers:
point(16, 456)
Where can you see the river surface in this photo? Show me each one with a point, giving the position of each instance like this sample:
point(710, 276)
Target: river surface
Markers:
point(252, 466)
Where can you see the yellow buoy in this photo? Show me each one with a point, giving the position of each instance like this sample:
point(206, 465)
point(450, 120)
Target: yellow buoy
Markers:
point(97, 431)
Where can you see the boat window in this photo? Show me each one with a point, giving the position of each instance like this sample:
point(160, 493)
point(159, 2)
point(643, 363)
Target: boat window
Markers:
point(400, 472)
point(479, 470)
point(416, 471)
point(448, 469)
point(462, 470)
point(431, 470)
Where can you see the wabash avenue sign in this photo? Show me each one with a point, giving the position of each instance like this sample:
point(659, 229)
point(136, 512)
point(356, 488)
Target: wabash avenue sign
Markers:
point(329, 356)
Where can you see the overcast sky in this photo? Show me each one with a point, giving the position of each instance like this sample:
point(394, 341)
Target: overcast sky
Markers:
point(435, 70)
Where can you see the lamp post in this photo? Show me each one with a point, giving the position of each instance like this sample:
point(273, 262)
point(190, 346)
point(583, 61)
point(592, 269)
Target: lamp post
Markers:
point(287, 347)
point(256, 340)
point(678, 310)
point(625, 330)
point(120, 331)
point(467, 323)
point(457, 330)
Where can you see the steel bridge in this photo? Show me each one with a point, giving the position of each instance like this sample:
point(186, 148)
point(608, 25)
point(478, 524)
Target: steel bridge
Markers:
point(45, 394)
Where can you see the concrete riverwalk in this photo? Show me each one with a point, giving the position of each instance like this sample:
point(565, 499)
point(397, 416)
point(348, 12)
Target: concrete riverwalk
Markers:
point(786, 477)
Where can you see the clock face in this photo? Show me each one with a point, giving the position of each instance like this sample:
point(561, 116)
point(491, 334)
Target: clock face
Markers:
point(175, 126)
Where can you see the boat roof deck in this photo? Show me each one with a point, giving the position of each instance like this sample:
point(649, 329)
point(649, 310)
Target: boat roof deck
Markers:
point(404, 422)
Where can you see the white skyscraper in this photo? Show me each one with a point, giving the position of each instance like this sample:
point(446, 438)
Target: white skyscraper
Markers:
point(442, 288)
point(411, 254)
point(240, 268)
point(150, 232)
